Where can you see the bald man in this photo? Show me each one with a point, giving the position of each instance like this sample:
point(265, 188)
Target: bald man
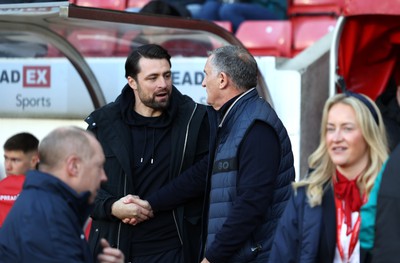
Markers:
point(46, 222)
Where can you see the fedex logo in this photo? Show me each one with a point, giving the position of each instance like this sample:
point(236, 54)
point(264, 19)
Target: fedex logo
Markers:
point(36, 76)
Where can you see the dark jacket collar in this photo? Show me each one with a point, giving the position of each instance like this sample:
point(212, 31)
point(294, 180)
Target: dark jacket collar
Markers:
point(48, 183)
point(223, 112)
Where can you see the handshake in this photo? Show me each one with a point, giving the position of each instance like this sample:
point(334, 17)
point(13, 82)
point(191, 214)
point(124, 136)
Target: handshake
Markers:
point(132, 210)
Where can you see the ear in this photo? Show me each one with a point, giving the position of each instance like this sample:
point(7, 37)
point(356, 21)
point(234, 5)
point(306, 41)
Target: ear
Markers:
point(72, 165)
point(132, 83)
point(34, 160)
point(223, 80)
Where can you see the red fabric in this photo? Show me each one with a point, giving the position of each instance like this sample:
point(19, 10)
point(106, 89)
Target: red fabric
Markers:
point(10, 188)
point(87, 228)
point(347, 190)
point(368, 47)
point(368, 51)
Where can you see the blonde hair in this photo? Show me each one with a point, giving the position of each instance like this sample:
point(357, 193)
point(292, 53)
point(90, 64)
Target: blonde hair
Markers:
point(321, 166)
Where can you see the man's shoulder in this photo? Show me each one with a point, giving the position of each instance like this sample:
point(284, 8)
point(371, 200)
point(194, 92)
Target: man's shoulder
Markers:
point(109, 110)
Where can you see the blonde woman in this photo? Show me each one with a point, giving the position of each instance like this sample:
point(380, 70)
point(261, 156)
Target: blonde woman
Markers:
point(321, 221)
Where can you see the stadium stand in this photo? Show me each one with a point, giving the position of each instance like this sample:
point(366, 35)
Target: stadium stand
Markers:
point(308, 21)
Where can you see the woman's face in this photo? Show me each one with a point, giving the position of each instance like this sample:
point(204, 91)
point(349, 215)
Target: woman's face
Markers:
point(346, 145)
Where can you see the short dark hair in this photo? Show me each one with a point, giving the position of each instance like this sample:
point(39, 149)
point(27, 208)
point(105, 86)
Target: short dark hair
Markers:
point(151, 51)
point(23, 141)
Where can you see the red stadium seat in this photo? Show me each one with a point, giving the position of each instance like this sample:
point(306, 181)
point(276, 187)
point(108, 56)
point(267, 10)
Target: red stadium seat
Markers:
point(317, 2)
point(94, 42)
point(105, 4)
point(309, 29)
point(266, 38)
point(136, 5)
point(227, 25)
point(322, 7)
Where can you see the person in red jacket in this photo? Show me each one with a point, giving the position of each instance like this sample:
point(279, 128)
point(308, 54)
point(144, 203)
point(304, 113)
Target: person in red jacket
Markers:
point(20, 155)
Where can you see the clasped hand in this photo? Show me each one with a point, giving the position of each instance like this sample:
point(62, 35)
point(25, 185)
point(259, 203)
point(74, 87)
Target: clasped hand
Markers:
point(132, 210)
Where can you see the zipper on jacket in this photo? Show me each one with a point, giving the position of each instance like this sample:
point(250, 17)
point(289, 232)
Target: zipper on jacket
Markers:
point(186, 138)
point(120, 223)
point(177, 228)
point(180, 167)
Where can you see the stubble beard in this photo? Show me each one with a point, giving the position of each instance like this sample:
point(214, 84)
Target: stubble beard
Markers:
point(156, 105)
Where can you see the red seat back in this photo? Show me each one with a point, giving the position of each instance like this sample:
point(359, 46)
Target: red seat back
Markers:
point(309, 29)
point(266, 38)
point(136, 5)
point(105, 4)
point(322, 7)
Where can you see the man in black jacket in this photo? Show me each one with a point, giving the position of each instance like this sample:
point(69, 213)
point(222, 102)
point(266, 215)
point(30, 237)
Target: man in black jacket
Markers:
point(150, 134)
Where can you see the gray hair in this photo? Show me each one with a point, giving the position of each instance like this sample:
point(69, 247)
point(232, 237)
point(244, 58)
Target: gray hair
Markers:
point(238, 64)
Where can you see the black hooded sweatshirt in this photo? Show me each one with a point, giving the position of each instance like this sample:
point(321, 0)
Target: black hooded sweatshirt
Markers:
point(151, 139)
